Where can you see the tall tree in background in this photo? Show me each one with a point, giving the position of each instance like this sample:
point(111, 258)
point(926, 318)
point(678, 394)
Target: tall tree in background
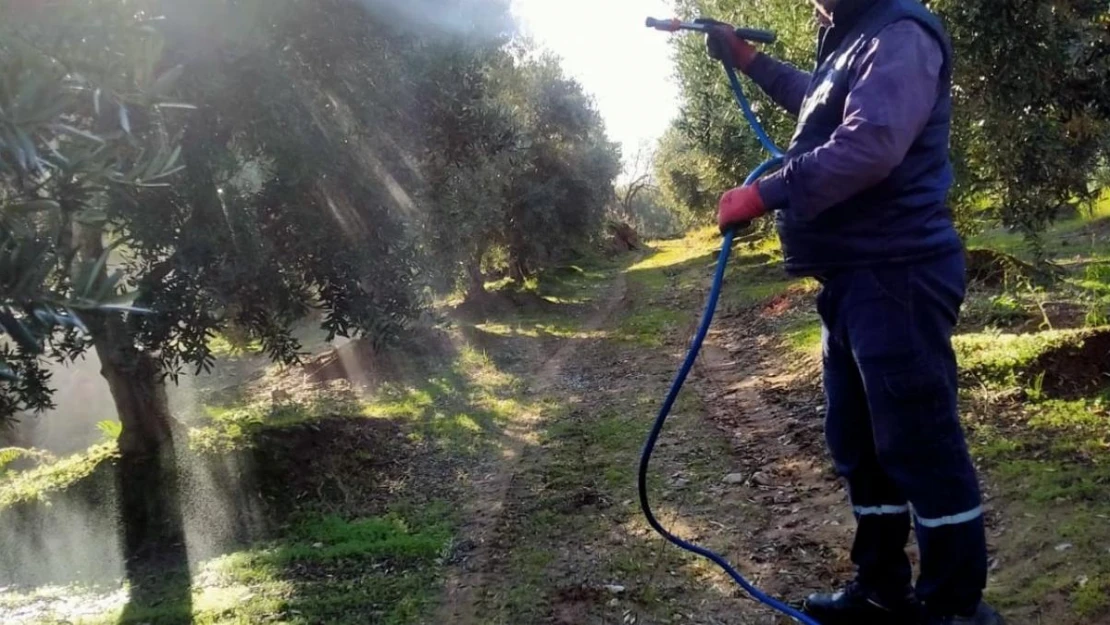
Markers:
point(471, 143)
point(564, 180)
point(640, 179)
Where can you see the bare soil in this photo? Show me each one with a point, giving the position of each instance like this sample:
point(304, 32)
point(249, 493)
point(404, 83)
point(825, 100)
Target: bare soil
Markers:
point(1076, 370)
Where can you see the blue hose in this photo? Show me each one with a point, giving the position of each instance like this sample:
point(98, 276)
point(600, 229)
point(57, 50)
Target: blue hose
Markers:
point(692, 355)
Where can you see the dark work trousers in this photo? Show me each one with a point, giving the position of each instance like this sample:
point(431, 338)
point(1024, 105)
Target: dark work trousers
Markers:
point(894, 432)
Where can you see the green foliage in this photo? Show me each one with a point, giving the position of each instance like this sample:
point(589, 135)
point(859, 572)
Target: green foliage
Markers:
point(654, 217)
point(710, 148)
point(457, 407)
point(9, 455)
point(110, 428)
point(1091, 597)
point(330, 538)
point(681, 168)
point(514, 149)
point(567, 173)
point(231, 428)
point(41, 482)
point(67, 141)
point(804, 335)
point(1001, 310)
point(1031, 88)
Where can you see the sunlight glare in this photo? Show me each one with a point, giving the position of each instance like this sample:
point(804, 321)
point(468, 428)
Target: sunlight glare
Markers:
point(623, 64)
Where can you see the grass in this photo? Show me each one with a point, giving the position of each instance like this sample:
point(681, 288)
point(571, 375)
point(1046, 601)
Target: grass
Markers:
point(1091, 597)
point(231, 428)
point(803, 335)
point(325, 569)
point(1046, 459)
point(37, 485)
point(222, 347)
point(998, 357)
point(1048, 465)
point(322, 568)
point(1065, 238)
point(675, 277)
point(538, 328)
point(675, 269)
point(459, 408)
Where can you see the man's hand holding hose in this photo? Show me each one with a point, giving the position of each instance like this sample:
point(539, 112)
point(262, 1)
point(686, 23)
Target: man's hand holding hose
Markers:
point(721, 39)
point(738, 206)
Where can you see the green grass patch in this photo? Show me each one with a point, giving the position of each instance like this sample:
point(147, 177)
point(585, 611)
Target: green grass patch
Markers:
point(803, 335)
point(324, 570)
point(222, 347)
point(989, 444)
point(330, 539)
point(1053, 481)
point(1091, 597)
point(458, 408)
point(671, 283)
point(37, 484)
point(1070, 237)
point(651, 327)
point(661, 284)
point(739, 294)
point(231, 428)
point(539, 327)
point(994, 356)
point(1073, 426)
point(1030, 591)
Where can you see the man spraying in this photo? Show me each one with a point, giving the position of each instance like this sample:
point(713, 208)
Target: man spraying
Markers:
point(860, 205)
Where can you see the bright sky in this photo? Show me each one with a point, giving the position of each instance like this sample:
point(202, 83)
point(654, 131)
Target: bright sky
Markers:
point(626, 66)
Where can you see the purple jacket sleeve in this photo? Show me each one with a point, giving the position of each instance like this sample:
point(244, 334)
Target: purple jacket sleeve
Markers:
point(782, 82)
point(893, 91)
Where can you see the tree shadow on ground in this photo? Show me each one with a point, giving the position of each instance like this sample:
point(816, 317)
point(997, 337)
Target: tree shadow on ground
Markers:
point(153, 539)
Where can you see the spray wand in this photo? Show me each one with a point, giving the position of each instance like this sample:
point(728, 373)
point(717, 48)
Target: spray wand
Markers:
point(776, 159)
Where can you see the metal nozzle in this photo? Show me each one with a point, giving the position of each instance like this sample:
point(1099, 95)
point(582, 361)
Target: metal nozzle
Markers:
point(674, 25)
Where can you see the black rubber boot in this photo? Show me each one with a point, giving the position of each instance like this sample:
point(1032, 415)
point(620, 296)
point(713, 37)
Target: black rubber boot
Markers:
point(856, 605)
point(984, 615)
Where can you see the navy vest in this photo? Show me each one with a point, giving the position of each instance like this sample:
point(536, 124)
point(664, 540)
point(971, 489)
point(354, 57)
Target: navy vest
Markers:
point(905, 217)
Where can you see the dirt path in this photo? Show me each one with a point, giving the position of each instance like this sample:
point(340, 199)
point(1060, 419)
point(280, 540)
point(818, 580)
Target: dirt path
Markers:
point(557, 535)
point(484, 509)
point(800, 540)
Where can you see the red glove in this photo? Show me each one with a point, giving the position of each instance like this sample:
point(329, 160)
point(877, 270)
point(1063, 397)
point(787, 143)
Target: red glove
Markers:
point(740, 206)
point(721, 39)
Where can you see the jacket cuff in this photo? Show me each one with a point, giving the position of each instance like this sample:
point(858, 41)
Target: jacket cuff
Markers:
point(760, 68)
point(773, 192)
